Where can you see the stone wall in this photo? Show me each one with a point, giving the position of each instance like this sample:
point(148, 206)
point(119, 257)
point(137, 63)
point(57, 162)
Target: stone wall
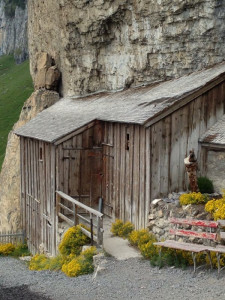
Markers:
point(163, 209)
point(108, 45)
point(13, 33)
point(215, 169)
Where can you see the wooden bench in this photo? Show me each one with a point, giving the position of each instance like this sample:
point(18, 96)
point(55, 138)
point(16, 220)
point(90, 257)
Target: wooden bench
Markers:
point(207, 230)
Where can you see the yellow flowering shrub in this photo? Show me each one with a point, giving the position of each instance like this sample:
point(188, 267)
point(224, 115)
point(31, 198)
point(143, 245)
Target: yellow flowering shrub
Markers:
point(72, 241)
point(39, 262)
point(122, 229)
point(71, 261)
point(6, 249)
point(216, 208)
point(80, 265)
point(193, 198)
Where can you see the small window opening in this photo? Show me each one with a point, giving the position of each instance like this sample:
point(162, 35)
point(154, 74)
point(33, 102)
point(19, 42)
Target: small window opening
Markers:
point(41, 153)
point(128, 142)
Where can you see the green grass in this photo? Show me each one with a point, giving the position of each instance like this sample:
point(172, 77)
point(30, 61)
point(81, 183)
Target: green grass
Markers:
point(15, 87)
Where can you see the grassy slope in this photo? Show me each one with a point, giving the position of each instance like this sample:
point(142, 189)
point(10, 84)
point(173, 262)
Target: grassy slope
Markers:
point(15, 87)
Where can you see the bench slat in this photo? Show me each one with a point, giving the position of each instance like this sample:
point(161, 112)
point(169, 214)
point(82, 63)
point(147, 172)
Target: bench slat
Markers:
point(182, 246)
point(203, 223)
point(190, 233)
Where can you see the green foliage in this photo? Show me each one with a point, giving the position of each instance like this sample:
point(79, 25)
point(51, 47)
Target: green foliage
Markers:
point(73, 241)
point(72, 262)
point(205, 185)
point(10, 6)
point(193, 198)
point(122, 229)
point(41, 262)
point(14, 250)
point(217, 208)
point(16, 86)
point(80, 265)
point(6, 249)
point(20, 250)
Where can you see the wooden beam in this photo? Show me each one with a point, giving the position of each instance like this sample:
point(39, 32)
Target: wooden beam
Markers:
point(66, 219)
point(76, 132)
point(89, 209)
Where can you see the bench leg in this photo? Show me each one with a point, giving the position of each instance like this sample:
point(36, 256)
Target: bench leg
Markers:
point(194, 260)
point(218, 263)
point(210, 259)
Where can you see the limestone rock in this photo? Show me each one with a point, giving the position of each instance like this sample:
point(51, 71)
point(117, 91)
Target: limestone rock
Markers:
point(10, 174)
point(13, 33)
point(47, 75)
point(125, 43)
point(52, 78)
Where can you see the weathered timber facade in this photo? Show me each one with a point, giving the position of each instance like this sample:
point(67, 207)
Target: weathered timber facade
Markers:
point(126, 158)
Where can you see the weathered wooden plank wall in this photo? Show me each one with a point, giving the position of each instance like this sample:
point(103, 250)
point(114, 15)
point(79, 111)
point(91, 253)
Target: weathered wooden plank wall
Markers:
point(153, 164)
point(38, 194)
point(79, 165)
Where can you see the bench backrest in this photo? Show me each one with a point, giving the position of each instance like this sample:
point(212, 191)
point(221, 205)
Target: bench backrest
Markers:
point(192, 233)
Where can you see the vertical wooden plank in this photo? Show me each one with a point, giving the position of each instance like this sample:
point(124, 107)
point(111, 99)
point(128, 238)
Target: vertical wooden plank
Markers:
point(183, 143)
point(164, 152)
point(122, 171)
point(129, 172)
point(142, 183)
point(147, 174)
point(136, 177)
point(53, 201)
point(156, 142)
point(116, 195)
point(175, 152)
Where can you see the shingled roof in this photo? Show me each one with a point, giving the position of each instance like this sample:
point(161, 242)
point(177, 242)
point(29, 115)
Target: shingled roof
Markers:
point(136, 105)
point(216, 134)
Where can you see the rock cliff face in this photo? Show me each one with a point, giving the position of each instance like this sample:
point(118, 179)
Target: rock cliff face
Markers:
point(107, 45)
point(13, 33)
point(10, 175)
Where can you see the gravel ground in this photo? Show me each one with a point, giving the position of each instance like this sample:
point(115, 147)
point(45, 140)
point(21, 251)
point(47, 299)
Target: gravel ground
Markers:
point(130, 279)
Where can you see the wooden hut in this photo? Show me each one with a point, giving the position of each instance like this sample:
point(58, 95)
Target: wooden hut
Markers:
point(127, 147)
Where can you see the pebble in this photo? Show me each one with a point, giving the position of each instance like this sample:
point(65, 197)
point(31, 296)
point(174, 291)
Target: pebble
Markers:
point(130, 279)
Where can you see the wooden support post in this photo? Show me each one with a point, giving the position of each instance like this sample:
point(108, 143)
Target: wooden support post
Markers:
point(91, 220)
point(76, 220)
point(100, 230)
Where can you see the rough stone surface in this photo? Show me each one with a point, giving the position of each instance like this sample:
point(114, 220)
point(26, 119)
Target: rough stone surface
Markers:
point(47, 75)
point(10, 174)
point(13, 34)
point(109, 45)
point(169, 207)
point(215, 169)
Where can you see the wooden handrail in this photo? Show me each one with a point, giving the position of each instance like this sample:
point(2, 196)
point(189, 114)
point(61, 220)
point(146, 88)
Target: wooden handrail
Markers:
point(98, 237)
point(78, 203)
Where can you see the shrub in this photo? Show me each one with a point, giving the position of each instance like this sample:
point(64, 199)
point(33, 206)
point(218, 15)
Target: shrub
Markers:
point(205, 185)
point(73, 241)
point(39, 262)
point(216, 208)
point(72, 262)
point(193, 198)
point(122, 229)
point(80, 265)
point(20, 250)
point(6, 249)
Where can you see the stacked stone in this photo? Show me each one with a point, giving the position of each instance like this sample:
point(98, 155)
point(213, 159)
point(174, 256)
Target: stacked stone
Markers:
point(163, 209)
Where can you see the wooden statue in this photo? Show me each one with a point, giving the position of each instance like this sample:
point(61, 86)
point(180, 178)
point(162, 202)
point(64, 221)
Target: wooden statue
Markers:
point(191, 165)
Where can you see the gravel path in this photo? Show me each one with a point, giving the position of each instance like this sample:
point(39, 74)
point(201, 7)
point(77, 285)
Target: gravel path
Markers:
point(130, 279)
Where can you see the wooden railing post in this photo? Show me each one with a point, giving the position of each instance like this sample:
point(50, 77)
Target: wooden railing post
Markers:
point(99, 230)
point(76, 220)
point(92, 238)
